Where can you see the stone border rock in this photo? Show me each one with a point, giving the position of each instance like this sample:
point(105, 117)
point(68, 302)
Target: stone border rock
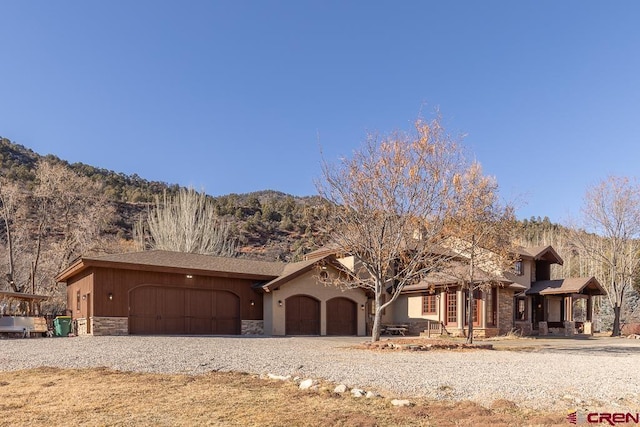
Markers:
point(313, 385)
point(421, 345)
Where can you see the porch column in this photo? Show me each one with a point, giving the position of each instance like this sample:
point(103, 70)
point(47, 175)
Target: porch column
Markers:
point(482, 310)
point(590, 308)
point(569, 325)
point(460, 309)
point(568, 309)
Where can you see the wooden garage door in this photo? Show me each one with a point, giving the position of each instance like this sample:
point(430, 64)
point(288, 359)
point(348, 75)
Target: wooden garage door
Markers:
point(342, 317)
point(302, 315)
point(213, 312)
point(177, 311)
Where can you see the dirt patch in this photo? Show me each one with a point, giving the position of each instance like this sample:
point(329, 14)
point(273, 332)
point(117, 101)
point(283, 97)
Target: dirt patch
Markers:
point(101, 396)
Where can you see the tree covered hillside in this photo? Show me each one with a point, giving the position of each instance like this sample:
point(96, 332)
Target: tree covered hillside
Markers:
point(52, 212)
point(268, 225)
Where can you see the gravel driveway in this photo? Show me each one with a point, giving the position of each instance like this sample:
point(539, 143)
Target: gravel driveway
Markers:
point(544, 378)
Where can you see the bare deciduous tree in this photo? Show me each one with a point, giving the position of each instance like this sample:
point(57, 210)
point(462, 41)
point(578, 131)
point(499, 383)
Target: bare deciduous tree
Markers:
point(482, 232)
point(49, 225)
point(392, 198)
point(187, 222)
point(610, 236)
point(10, 198)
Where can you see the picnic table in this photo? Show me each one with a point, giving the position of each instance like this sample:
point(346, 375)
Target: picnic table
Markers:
point(396, 329)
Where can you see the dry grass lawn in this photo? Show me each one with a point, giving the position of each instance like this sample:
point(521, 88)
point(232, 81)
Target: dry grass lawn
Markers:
point(104, 397)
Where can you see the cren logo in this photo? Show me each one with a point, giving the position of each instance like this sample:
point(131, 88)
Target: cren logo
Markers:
point(614, 418)
point(573, 417)
point(606, 418)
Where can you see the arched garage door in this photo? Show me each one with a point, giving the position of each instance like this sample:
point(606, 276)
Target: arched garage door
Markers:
point(167, 310)
point(302, 315)
point(342, 317)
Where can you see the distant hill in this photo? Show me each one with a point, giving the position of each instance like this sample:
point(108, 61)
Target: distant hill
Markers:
point(18, 163)
point(268, 225)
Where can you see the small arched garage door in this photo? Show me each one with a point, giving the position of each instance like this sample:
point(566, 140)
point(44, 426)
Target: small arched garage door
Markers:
point(342, 317)
point(170, 310)
point(302, 315)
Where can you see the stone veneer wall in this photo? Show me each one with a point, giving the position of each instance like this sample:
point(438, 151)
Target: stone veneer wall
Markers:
point(505, 311)
point(524, 328)
point(486, 333)
point(120, 326)
point(252, 327)
point(110, 325)
point(103, 326)
point(417, 327)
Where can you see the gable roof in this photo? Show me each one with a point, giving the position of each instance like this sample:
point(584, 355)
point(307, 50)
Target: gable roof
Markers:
point(323, 251)
point(537, 253)
point(291, 271)
point(179, 262)
point(567, 286)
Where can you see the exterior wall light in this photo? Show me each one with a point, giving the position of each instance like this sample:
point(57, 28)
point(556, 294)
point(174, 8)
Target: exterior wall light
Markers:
point(280, 303)
point(361, 306)
point(110, 296)
point(189, 276)
point(252, 303)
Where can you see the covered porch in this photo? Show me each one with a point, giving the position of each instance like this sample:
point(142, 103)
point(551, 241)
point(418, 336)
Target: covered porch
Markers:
point(563, 306)
point(20, 313)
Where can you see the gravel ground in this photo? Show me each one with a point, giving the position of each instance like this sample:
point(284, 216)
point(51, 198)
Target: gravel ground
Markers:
point(542, 379)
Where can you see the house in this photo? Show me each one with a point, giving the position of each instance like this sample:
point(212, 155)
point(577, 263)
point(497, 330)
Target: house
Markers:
point(163, 292)
point(525, 299)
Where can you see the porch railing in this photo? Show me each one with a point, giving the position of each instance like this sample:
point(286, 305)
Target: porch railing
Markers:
point(433, 328)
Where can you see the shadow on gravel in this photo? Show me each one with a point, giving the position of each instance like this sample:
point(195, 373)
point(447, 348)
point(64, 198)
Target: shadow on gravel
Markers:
point(605, 350)
point(574, 345)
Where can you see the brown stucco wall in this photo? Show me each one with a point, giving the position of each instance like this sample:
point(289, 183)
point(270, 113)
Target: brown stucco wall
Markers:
point(307, 284)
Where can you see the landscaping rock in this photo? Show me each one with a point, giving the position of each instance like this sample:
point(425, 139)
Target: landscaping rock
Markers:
point(306, 384)
point(278, 377)
point(372, 394)
point(401, 402)
point(340, 389)
point(356, 392)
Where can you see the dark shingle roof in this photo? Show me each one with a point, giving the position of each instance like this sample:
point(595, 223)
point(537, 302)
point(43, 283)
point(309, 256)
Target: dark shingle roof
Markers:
point(539, 253)
point(574, 285)
point(452, 275)
point(179, 261)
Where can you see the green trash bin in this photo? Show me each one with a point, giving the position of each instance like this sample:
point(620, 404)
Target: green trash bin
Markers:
point(62, 326)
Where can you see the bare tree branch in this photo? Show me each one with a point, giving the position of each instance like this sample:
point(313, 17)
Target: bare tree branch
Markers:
point(187, 222)
point(610, 236)
point(391, 200)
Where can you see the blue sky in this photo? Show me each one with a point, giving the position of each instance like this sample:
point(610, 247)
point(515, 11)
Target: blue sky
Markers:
point(238, 96)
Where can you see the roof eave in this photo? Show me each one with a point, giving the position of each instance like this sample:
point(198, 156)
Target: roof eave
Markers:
point(84, 263)
point(75, 268)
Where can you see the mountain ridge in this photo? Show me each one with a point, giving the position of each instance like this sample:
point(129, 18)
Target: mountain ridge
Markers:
point(267, 224)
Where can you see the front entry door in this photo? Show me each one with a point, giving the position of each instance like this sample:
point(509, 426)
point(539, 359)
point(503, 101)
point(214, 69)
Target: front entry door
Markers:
point(538, 310)
point(89, 314)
